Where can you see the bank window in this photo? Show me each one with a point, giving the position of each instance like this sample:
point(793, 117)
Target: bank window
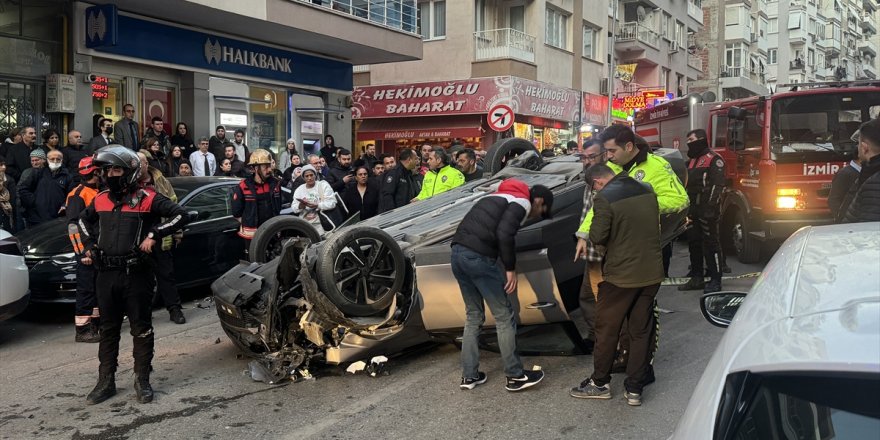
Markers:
point(158, 101)
point(432, 19)
point(556, 29)
point(107, 98)
point(771, 56)
point(591, 40)
point(268, 127)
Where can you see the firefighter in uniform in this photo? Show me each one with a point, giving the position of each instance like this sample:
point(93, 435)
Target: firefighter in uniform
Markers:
point(704, 188)
point(118, 229)
point(86, 315)
point(257, 198)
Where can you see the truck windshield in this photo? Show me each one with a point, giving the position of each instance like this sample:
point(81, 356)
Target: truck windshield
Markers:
point(821, 122)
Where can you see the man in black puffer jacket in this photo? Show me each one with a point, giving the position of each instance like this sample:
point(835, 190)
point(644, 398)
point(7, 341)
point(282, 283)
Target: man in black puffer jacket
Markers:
point(863, 204)
point(486, 234)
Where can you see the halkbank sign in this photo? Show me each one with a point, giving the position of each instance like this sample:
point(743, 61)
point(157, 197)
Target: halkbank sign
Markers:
point(186, 49)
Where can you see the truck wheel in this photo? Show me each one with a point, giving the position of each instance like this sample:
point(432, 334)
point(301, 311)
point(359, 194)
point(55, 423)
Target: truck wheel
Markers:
point(270, 236)
point(360, 269)
point(748, 249)
point(504, 150)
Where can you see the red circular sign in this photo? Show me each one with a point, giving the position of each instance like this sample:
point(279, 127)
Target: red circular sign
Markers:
point(500, 117)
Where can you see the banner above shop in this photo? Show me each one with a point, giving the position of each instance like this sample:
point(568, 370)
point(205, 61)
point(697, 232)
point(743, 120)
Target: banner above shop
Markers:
point(595, 109)
point(153, 41)
point(470, 96)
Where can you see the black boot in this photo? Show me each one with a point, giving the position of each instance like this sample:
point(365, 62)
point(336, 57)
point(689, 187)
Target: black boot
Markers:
point(713, 286)
point(142, 388)
point(695, 283)
point(87, 333)
point(177, 315)
point(105, 389)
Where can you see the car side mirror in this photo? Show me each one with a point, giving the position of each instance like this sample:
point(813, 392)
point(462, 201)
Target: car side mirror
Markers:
point(196, 215)
point(719, 307)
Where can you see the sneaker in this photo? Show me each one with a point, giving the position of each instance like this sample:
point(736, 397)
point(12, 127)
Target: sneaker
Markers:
point(712, 286)
point(589, 390)
point(528, 379)
point(469, 383)
point(633, 399)
point(695, 283)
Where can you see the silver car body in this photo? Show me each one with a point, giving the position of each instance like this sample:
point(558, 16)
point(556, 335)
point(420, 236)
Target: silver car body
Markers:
point(13, 283)
point(815, 308)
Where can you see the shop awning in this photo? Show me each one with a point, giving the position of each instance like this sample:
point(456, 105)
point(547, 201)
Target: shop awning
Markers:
point(420, 128)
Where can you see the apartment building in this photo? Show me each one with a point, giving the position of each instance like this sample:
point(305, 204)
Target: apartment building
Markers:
point(277, 68)
point(767, 43)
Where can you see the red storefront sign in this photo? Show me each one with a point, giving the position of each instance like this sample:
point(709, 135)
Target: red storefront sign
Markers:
point(461, 97)
point(595, 109)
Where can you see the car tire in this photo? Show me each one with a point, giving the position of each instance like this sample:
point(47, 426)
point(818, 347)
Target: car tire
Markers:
point(269, 238)
point(502, 151)
point(360, 269)
point(748, 249)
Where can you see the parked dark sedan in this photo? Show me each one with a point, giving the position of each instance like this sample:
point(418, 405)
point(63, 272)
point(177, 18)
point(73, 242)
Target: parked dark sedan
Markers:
point(210, 245)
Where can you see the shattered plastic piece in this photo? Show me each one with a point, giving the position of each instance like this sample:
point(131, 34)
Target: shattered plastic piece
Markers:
point(356, 367)
point(377, 366)
point(665, 311)
point(301, 374)
point(261, 371)
point(208, 300)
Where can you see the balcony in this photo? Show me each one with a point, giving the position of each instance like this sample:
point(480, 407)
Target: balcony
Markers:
point(631, 32)
point(869, 5)
point(741, 32)
point(868, 24)
point(504, 44)
point(797, 65)
point(832, 46)
point(695, 62)
point(695, 12)
point(741, 82)
point(832, 14)
point(400, 15)
point(798, 36)
point(866, 46)
point(825, 73)
point(870, 71)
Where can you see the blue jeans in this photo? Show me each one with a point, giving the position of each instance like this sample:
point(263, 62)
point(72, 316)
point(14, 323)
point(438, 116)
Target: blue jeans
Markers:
point(480, 279)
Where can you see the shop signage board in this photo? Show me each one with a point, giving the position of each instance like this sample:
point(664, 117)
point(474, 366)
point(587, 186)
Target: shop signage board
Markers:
point(469, 96)
point(654, 94)
point(215, 53)
point(632, 102)
point(500, 117)
point(595, 109)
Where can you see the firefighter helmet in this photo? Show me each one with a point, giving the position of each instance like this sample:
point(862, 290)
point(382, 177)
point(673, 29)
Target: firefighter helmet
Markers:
point(260, 157)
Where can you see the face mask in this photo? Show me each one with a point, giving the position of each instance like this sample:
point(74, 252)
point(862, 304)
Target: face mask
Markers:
point(109, 131)
point(115, 184)
point(696, 147)
point(54, 166)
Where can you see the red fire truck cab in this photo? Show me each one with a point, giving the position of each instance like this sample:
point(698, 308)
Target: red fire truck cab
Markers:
point(781, 153)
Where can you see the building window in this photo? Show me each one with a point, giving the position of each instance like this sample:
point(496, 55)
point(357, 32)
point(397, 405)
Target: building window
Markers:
point(591, 42)
point(811, 57)
point(794, 21)
point(731, 15)
point(820, 60)
point(773, 26)
point(556, 29)
point(734, 54)
point(771, 56)
point(680, 34)
point(432, 19)
point(480, 15)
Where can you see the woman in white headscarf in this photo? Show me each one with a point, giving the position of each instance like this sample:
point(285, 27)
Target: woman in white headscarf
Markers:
point(284, 157)
point(312, 197)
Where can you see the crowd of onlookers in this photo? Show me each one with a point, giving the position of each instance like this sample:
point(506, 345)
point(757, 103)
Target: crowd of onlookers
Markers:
point(36, 177)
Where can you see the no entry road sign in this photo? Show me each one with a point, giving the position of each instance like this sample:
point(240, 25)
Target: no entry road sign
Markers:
point(500, 117)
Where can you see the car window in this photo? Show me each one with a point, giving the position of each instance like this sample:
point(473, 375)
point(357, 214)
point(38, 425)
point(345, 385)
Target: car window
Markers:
point(211, 204)
point(830, 406)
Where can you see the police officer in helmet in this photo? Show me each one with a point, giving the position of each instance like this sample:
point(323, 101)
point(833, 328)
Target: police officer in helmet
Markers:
point(121, 225)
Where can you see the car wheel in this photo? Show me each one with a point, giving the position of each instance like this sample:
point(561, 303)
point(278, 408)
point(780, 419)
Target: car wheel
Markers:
point(504, 150)
point(360, 269)
point(270, 236)
point(748, 249)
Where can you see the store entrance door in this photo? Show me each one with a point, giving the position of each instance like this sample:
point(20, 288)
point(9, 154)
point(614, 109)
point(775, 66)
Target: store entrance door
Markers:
point(21, 105)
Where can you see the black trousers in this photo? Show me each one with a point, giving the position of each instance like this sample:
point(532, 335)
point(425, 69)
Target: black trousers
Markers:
point(703, 245)
point(86, 300)
point(587, 298)
point(122, 293)
point(166, 283)
point(636, 306)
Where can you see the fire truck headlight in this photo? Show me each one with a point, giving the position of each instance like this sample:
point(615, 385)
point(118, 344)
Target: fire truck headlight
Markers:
point(789, 198)
point(786, 202)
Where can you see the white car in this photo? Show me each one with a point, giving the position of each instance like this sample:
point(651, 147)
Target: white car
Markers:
point(801, 358)
point(14, 295)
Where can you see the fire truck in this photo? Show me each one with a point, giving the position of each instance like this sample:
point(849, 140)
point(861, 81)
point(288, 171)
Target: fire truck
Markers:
point(781, 152)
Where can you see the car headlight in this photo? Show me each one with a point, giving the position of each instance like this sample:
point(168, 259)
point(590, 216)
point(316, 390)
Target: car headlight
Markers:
point(64, 259)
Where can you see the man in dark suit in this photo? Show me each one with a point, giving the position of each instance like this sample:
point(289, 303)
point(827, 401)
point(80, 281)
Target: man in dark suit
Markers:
point(126, 130)
point(103, 138)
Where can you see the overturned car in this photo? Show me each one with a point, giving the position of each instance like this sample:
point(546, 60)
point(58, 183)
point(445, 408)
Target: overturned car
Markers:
point(385, 285)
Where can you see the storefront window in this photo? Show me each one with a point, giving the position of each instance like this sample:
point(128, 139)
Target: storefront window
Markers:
point(158, 101)
point(107, 97)
point(268, 119)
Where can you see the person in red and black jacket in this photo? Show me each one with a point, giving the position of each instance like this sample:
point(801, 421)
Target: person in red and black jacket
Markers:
point(257, 198)
point(119, 230)
point(86, 313)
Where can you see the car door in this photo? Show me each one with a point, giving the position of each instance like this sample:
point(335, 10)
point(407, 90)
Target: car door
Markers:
point(210, 244)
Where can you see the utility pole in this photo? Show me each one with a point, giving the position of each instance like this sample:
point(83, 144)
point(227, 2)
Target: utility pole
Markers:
point(611, 66)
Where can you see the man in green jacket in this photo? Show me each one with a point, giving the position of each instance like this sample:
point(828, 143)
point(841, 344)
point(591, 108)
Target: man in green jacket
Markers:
point(632, 272)
point(441, 176)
